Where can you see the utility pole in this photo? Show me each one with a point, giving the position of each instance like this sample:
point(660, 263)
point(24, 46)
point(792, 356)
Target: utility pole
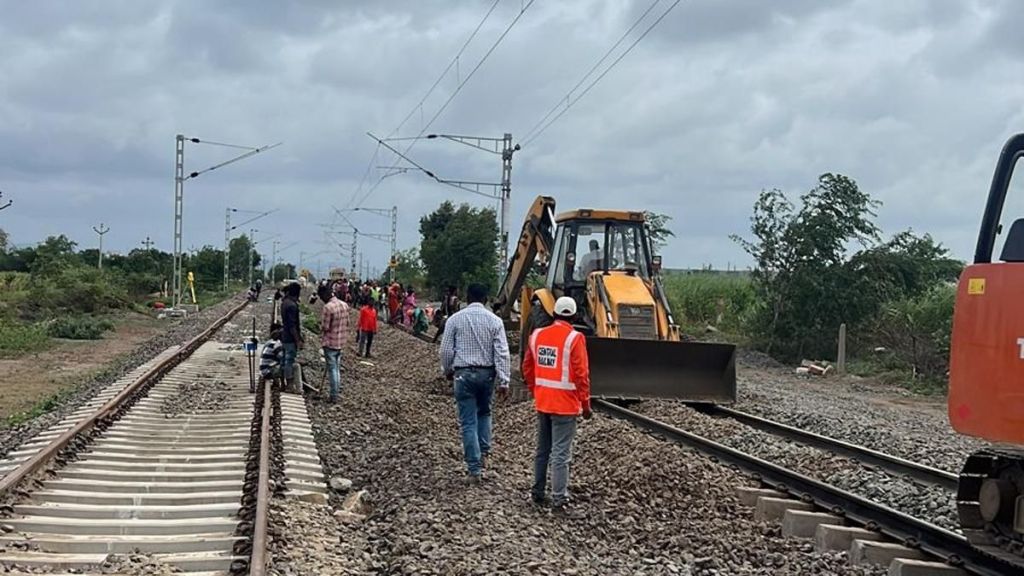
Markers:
point(506, 195)
point(227, 236)
point(252, 251)
point(179, 186)
point(502, 190)
point(273, 265)
point(385, 212)
point(148, 243)
point(394, 240)
point(227, 245)
point(355, 242)
point(101, 231)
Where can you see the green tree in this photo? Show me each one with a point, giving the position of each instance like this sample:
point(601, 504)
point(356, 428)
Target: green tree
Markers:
point(800, 259)
point(284, 271)
point(657, 228)
point(410, 268)
point(238, 258)
point(207, 267)
point(460, 246)
point(55, 254)
point(3, 240)
point(808, 282)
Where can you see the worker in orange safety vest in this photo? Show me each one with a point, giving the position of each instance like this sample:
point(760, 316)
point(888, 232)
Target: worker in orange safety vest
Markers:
point(557, 373)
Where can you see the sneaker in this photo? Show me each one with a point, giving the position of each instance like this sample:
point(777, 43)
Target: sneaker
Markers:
point(472, 479)
point(539, 500)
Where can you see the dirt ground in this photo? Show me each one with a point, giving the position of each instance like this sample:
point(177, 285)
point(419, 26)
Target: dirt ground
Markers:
point(29, 379)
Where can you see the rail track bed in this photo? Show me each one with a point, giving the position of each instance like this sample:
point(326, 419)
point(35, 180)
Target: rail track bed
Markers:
point(166, 469)
point(923, 539)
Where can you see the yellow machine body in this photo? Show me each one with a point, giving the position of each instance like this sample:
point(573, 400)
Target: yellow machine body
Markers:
point(635, 346)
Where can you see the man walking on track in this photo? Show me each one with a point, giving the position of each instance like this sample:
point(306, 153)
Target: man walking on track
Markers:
point(333, 333)
point(474, 352)
point(557, 373)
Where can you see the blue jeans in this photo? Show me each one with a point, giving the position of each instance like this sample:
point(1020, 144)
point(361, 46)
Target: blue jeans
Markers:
point(474, 388)
point(333, 358)
point(554, 444)
point(288, 352)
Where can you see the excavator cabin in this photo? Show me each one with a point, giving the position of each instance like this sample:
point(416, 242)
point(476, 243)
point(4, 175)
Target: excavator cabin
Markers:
point(602, 259)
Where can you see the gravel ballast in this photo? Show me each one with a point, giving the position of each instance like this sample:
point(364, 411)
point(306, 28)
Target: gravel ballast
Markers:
point(640, 505)
point(883, 417)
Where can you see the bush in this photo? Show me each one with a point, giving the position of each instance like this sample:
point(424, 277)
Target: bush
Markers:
point(916, 334)
point(16, 337)
point(79, 327)
point(719, 300)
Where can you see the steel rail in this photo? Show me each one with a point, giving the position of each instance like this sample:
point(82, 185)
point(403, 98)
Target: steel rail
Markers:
point(920, 472)
point(258, 558)
point(110, 408)
point(933, 540)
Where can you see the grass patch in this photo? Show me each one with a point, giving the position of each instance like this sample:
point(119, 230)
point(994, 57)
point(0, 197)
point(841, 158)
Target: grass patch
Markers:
point(20, 338)
point(701, 300)
point(310, 319)
point(79, 327)
point(41, 407)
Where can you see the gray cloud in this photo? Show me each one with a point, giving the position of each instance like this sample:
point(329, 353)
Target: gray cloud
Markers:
point(725, 98)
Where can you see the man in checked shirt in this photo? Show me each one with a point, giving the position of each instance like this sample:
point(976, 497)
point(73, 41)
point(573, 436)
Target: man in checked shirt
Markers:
point(474, 353)
point(333, 334)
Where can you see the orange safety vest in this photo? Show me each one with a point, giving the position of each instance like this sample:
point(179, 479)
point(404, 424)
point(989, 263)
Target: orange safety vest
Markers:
point(554, 392)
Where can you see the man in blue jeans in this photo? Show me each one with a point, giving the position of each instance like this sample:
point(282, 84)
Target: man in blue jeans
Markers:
point(474, 353)
point(291, 333)
point(333, 335)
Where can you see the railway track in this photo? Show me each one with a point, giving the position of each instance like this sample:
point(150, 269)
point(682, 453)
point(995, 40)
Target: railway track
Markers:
point(935, 542)
point(171, 465)
point(881, 460)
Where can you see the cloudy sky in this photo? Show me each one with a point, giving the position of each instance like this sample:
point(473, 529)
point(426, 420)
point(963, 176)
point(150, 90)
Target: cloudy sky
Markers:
point(723, 98)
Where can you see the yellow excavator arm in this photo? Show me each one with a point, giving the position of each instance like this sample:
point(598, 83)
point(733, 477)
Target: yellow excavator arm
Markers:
point(535, 244)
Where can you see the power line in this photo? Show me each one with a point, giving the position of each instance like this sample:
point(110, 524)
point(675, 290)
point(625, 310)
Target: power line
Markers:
point(458, 89)
point(430, 91)
point(602, 75)
point(593, 68)
point(453, 62)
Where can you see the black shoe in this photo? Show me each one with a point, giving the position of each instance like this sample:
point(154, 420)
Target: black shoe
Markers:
point(539, 500)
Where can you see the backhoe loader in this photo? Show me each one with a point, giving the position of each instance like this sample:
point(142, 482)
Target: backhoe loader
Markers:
point(604, 260)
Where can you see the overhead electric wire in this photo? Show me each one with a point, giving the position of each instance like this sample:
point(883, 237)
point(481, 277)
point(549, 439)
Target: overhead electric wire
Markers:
point(454, 60)
point(458, 88)
point(430, 91)
point(597, 64)
point(602, 75)
point(251, 152)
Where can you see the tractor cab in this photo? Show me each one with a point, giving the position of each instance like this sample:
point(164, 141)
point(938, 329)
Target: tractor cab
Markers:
point(595, 247)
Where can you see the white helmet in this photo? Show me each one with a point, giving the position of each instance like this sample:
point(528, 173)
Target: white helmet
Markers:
point(565, 306)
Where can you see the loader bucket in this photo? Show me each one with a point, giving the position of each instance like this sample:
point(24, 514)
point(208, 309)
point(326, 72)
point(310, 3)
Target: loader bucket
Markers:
point(690, 371)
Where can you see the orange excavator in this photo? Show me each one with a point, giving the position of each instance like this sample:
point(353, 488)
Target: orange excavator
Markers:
point(986, 375)
point(604, 260)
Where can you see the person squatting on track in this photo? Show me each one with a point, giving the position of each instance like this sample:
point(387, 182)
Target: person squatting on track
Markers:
point(557, 373)
point(367, 327)
point(333, 333)
point(474, 352)
point(270, 356)
point(291, 333)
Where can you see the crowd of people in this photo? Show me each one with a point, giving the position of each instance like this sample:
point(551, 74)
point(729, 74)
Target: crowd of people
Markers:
point(474, 356)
